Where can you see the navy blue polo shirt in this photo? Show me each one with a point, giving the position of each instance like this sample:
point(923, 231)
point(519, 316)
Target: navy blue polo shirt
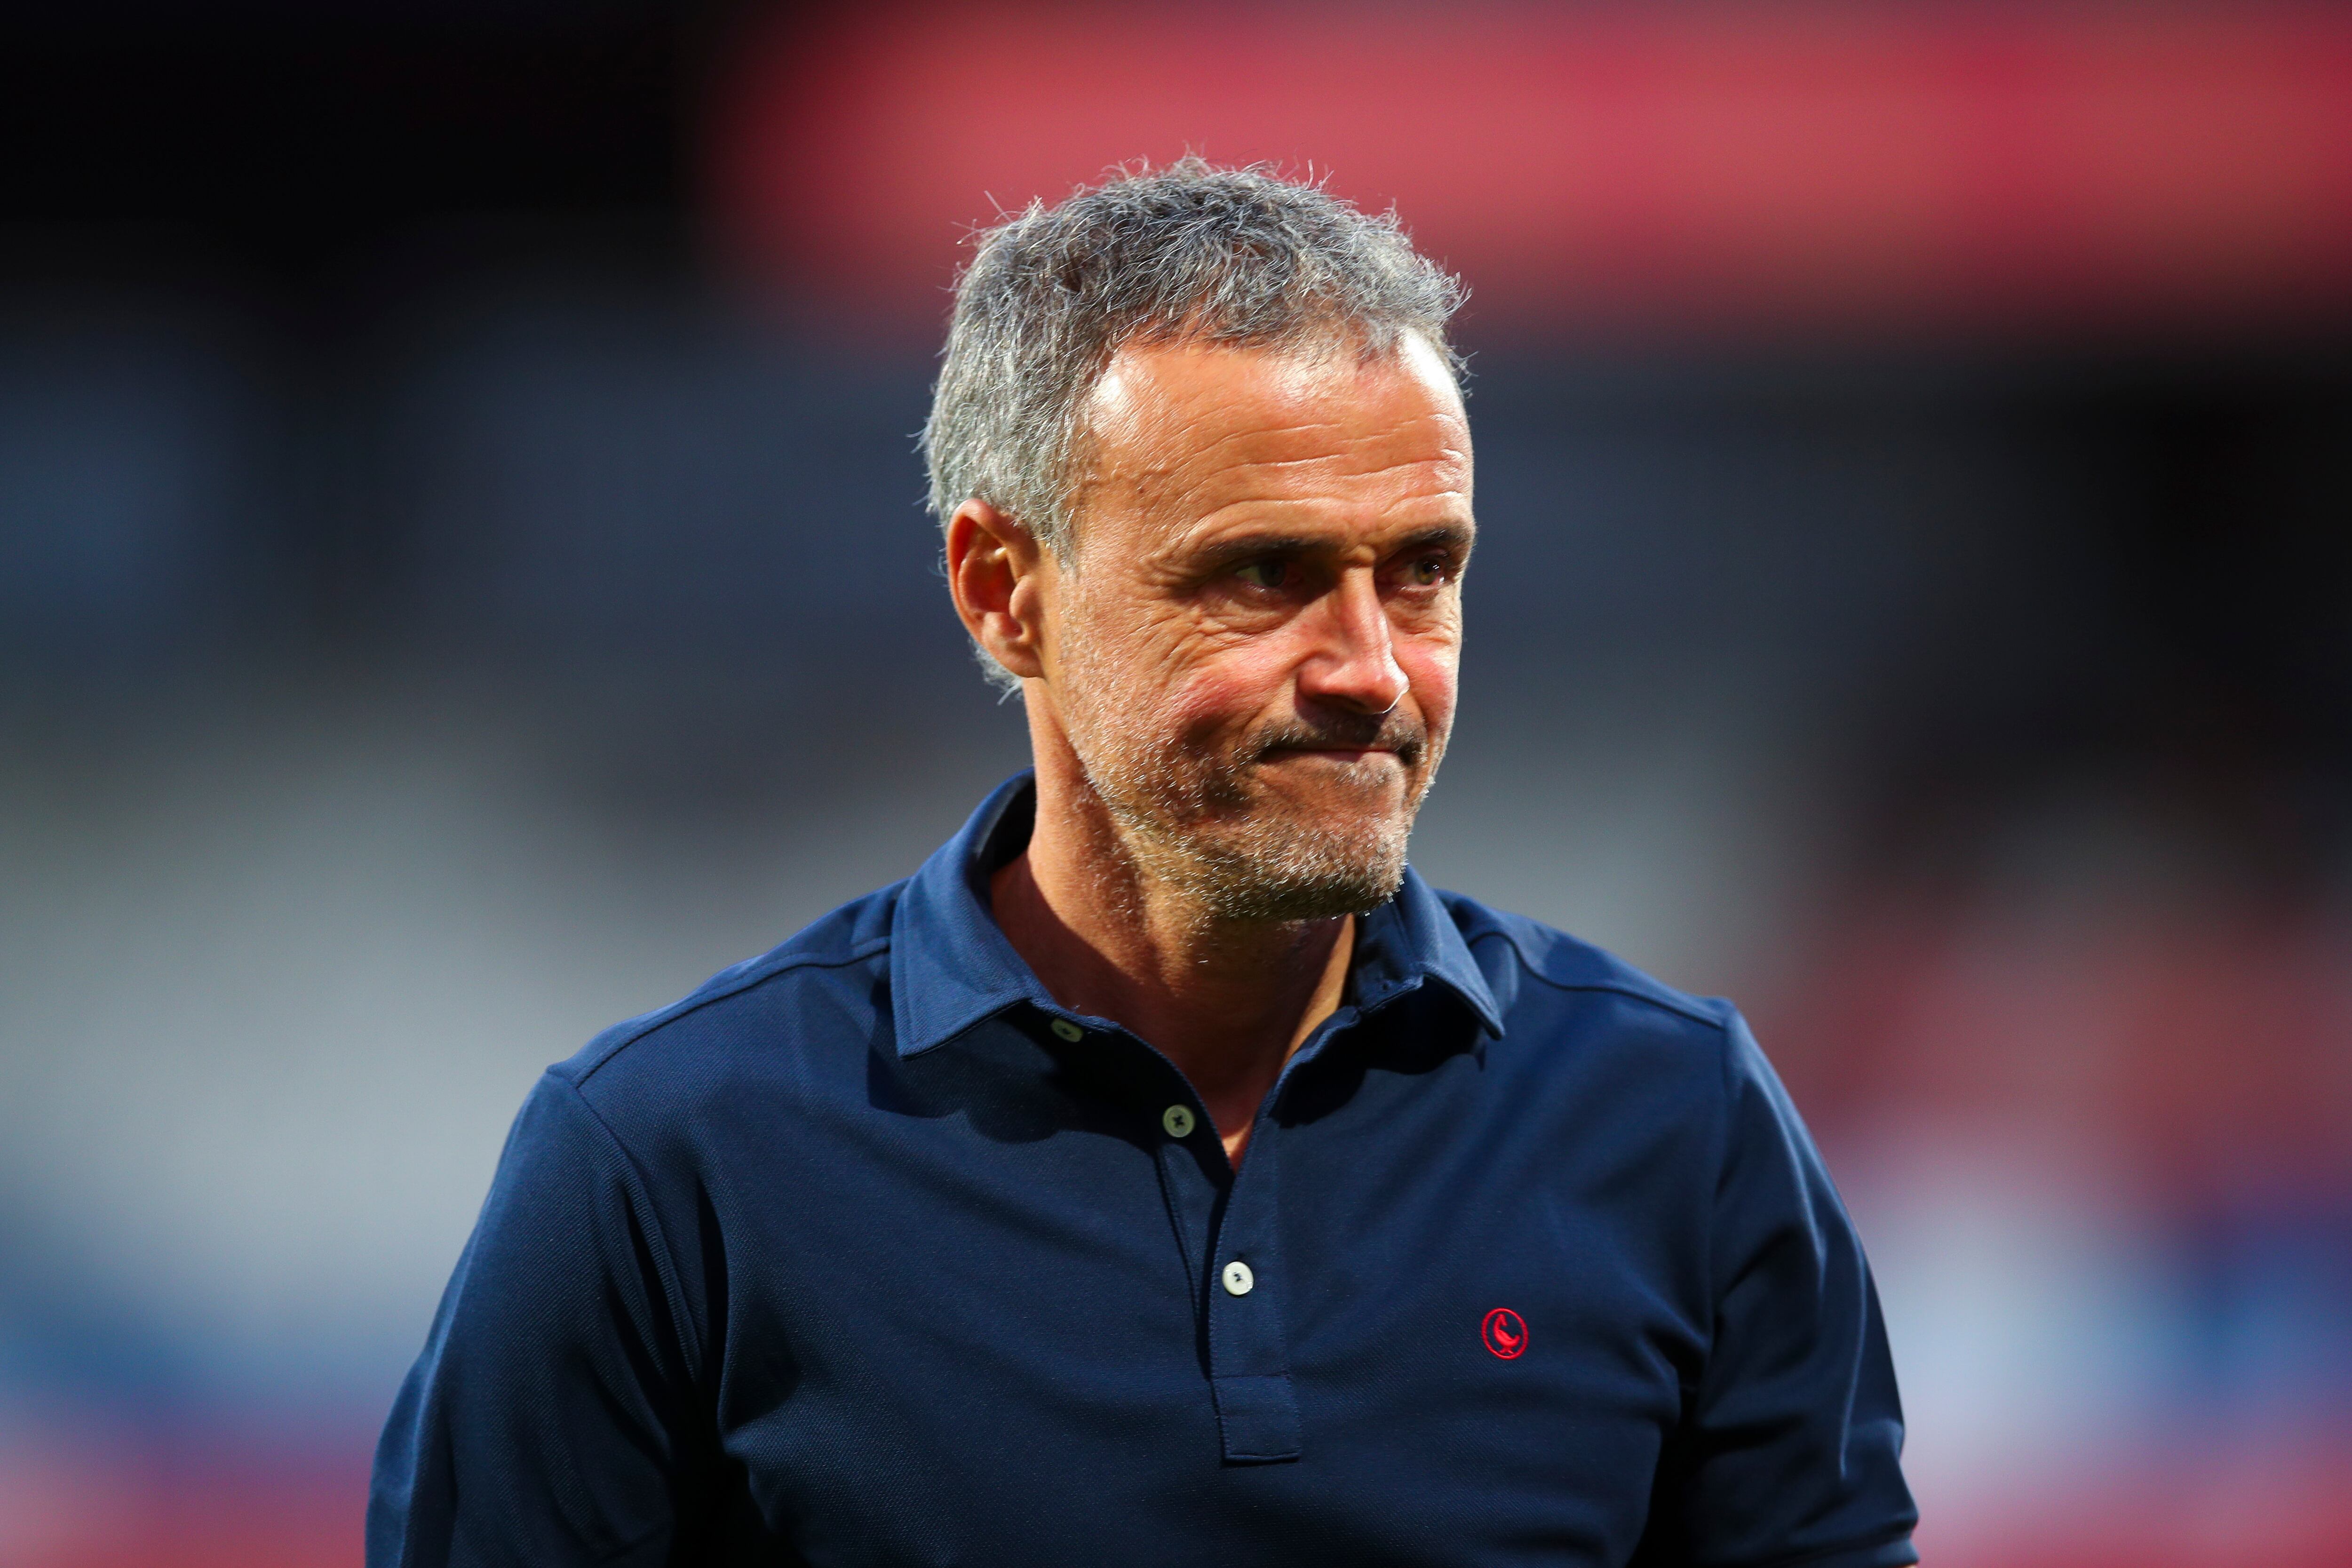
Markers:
point(868, 1252)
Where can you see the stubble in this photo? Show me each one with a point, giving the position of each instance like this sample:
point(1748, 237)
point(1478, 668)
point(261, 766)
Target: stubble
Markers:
point(1201, 816)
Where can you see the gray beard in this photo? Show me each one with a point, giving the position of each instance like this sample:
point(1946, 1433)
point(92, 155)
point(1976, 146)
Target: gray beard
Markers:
point(1188, 821)
point(1273, 871)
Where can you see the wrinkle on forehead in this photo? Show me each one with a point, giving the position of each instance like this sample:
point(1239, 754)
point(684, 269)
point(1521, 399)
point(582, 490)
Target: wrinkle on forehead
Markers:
point(1195, 428)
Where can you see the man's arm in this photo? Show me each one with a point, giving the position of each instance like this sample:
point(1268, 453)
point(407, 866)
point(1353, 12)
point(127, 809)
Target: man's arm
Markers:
point(1790, 1442)
point(541, 1423)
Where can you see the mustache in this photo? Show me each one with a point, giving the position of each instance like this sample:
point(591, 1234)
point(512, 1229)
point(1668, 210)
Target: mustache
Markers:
point(1394, 731)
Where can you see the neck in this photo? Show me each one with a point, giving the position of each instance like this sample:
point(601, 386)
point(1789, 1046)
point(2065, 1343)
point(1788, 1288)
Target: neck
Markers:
point(1226, 1001)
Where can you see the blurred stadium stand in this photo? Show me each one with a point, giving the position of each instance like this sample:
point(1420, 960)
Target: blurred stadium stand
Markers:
point(462, 580)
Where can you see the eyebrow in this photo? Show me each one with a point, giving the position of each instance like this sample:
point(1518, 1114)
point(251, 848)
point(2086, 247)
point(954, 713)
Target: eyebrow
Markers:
point(1454, 537)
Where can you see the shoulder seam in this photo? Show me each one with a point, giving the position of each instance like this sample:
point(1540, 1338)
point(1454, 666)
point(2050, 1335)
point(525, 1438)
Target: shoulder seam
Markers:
point(695, 1001)
point(1692, 1011)
point(640, 1197)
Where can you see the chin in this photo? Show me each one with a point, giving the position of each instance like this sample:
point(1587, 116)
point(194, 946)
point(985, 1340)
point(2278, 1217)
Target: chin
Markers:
point(1304, 865)
point(1324, 893)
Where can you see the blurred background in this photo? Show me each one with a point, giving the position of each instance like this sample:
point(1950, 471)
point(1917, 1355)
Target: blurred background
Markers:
point(461, 581)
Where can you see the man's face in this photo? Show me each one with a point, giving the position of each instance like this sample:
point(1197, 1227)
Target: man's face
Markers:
point(1253, 647)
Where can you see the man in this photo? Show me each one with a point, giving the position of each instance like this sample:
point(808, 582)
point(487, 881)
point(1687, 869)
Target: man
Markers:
point(1164, 1173)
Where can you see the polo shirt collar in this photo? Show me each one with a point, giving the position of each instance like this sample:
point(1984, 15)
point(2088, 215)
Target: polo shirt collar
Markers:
point(950, 966)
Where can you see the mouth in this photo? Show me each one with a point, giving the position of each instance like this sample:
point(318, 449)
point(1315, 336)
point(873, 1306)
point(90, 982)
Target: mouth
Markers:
point(1340, 755)
point(1355, 745)
point(1339, 767)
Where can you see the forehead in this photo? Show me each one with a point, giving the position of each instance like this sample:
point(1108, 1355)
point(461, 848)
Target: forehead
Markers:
point(1204, 427)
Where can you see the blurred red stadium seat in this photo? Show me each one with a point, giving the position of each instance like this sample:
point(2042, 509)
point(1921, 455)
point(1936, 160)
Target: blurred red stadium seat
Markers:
point(1600, 166)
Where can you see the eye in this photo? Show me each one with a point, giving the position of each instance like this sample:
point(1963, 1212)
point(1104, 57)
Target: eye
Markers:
point(1272, 573)
point(1429, 571)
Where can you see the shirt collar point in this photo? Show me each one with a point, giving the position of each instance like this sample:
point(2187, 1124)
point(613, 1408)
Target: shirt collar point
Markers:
point(1436, 949)
point(950, 967)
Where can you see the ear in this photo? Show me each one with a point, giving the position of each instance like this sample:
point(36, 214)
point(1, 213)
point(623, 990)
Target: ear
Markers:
point(996, 574)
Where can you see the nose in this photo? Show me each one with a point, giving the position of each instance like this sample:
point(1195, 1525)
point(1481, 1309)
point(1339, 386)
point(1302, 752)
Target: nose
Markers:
point(1356, 665)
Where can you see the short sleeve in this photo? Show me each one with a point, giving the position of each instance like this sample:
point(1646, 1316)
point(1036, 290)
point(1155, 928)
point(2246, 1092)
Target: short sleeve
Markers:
point(1790, 1446)
point(543, 1423)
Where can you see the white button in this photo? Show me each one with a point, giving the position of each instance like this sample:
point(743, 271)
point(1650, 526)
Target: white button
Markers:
point(1178, 1119)
point(1068, 1030)
point(1238, 1279)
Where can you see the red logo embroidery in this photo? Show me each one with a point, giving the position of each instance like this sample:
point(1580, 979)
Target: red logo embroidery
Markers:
point(1505, 1333)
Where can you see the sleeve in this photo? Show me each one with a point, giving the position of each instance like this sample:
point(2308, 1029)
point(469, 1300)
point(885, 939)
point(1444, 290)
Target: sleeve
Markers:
point(1789, 1447)
point(548, 1420)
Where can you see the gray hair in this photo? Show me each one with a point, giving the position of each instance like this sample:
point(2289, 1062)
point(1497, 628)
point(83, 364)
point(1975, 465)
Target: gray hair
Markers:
point(1188, 253)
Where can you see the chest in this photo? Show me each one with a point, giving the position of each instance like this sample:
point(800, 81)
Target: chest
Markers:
point(1014, 1331)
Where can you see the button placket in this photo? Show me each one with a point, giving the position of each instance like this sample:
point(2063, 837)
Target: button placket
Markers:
point(1249, 1342)
point(1248, 1331)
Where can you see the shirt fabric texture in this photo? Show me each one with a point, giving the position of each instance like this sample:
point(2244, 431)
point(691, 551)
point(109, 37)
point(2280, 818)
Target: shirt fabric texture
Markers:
point(868, 1252)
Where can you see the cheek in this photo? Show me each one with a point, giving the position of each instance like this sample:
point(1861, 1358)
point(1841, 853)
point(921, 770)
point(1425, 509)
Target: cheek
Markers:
point(1118, 649)
point(1147, 666)
point(1209, 690)
point(1430, 666)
